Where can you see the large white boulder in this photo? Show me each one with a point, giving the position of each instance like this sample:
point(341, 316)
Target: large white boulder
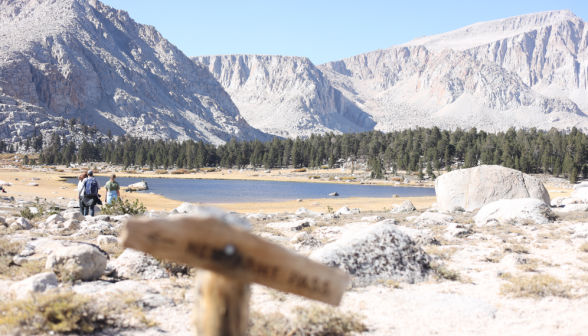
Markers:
point(472, 188)
point(83, 262)
point(380, 251)
point(574, 208)
point(515, 211)
point(21, 224)
point(581, 193)
point(37, 283)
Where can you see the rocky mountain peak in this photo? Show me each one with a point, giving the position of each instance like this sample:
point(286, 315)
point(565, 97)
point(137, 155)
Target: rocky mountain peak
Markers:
point(482, 33)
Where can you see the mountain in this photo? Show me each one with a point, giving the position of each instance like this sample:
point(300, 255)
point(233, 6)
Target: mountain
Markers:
point(526, 71)
point(82, 59)
point(285, 96)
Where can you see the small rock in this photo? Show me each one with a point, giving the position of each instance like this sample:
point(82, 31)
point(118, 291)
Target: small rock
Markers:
point(106, 239)
point(406, 206)
point(433, 218)
point(73, 204)
point(334, 194)
point(33, 184)
point(73, 215)
point(55, 218)
point(21, 224)
point(302, 236)
point(372, 219)
point(329, 217)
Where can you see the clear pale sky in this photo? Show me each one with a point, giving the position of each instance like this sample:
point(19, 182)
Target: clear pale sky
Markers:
point(320, 30)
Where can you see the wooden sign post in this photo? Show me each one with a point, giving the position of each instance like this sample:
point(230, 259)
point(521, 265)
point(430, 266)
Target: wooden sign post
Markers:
point(235, 258)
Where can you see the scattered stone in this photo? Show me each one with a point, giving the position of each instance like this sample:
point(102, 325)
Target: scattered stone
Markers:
point(55, 218)
point(292, 226)
point(346, 211)
point(420, 236)
point(329, 217)
point(37, 283)
point(84, 262)
point(457, 230)
point(33, 184)
point(472, 188)
point(381, 251)
point(73, 204)
point(574, 207)
point(304, 211)
point(103, 218)
point(406, 206)
point(73, 215)
point(299, 237)
point(21, 224)
point(307, 245)
point(372, 219)
point(515, 211)
point(329, 233)
point(105, 239)
point(433, 218)
point(136, 264)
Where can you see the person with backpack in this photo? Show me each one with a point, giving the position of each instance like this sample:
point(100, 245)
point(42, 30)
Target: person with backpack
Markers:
point(112, 190)
point(81, 180)
point(91, 197)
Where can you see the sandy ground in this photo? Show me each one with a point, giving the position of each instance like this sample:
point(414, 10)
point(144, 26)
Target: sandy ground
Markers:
point(51, 186)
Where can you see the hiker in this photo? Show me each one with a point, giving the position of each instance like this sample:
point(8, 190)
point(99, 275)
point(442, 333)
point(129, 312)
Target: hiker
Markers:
point(81, 179)
point(91, 197)
point(2, 189)
point(112, 190)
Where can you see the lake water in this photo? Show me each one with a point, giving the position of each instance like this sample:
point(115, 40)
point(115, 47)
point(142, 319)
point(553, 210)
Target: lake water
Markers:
point(231, 191)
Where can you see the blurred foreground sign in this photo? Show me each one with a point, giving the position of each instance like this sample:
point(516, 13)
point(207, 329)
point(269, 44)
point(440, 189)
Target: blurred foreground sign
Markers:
point(237, 254)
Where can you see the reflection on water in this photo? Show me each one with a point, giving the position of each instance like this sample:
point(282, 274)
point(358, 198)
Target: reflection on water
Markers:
point(231, 191)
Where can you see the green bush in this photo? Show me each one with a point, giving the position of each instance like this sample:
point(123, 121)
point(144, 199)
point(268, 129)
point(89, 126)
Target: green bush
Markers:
point(27, 213)
point(120, 207)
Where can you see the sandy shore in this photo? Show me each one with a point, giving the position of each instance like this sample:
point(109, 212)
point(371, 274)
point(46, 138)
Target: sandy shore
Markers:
point(51, 187)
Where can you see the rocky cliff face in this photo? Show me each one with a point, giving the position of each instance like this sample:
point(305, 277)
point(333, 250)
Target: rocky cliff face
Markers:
point(285, 96)
point(526, 71)
point(83, 59)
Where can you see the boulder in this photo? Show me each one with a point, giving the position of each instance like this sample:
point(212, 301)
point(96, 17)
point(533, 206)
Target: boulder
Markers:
point(581, 193)
point(329, 217)
point(571, 200)
point(381, 251)
point(574, 208)
point(472, 188)
point(581, 185)
point(37, 283)
point(405, 206)
point(346, 211)
point(121, 218)
point(515, 211)
point(433, 218)
point(329, 233)
point(557, 201)
point(21, 224)
point(2, 221)
point(106, 239)
point(334, 194)
point(56, 218)
point(83, 262)
point(305, 211)
point(71, 224)
point(136, 264)
point(32, 184)
point(73, 204)
point(76, 215)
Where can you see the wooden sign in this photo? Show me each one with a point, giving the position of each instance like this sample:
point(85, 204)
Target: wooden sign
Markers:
point(237, 254)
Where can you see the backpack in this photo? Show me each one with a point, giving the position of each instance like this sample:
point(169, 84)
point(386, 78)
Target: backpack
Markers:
point(91, 188)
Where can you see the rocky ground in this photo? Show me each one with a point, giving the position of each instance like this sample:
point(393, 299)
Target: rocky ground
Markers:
point(437, 273)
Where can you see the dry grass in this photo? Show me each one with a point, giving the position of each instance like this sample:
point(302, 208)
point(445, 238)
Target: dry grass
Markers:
point(516, 248)
point(494, 257)
point(584, 247)
point(536, 286)
point(301, 170)
point(444, 253)
point(314, 320)
point(68, 312)
point(389, 283)
point(11, 271)
point(530, 265)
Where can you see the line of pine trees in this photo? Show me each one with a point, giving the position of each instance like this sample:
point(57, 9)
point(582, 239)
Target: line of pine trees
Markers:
point(412, 150)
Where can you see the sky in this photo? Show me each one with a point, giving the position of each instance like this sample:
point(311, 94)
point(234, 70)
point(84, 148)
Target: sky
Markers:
point(322, 30)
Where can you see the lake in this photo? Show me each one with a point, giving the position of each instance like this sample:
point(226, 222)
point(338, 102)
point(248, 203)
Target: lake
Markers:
point(231, 191)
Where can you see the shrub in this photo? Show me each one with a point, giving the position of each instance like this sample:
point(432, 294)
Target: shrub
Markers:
point(348, 178)
point(27, 213)
point(516, 249)
point(584, 247)
point(313, 320)
point(208, 170)
point(131, 172)
point(180, 171)
point(161, 172)
point(537, 286)
point(315, 177)
point(301, 170)
point(120, 207)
